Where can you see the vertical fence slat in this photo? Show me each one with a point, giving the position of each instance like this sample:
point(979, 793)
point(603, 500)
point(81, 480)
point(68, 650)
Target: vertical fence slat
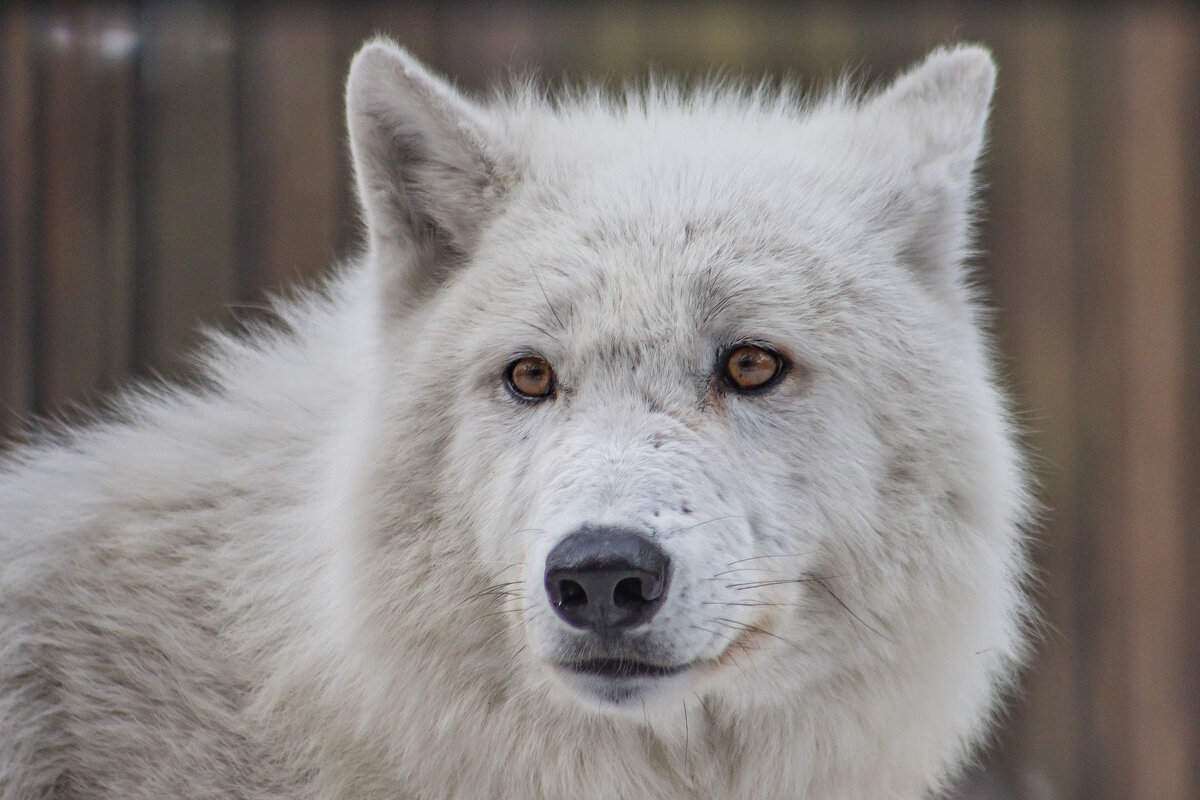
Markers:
point(1191, 432)
point(67, 225)
point(115, 50)
point(480, 43)
point(17, 198)
point(84, 213)
point(1102, 354)
point(1031, 251)
point(188, 185)
point(1157, 49)
point(291, 124)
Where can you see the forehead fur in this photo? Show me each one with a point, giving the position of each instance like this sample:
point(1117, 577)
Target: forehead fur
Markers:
point(723, 201)
point(661, 154)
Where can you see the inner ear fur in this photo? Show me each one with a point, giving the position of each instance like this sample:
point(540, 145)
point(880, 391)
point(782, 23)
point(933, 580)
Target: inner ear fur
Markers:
point(429, 165)
point(932, 120)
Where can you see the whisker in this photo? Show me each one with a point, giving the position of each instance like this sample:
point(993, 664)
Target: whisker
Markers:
point(737, 569)
point(705, 522)
point(515, 654)
point(719, 634)
point(494, 591)
point(497, 598)
point(782, 581)
point(507, 564)
point(549, 305)
point(780, 555)
point(497, 593)
point(542, 330)
point(687, 759)
point(733, 658)
point(742, 626)
point(496, 613)
point(852, 614)
point(504, 630)
point(744, 603)
point(501, 585)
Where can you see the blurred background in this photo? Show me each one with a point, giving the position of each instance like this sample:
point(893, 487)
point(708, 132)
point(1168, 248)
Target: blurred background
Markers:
point(163, 164)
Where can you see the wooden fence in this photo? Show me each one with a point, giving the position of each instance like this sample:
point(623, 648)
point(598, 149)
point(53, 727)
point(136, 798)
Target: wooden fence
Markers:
point(164, 163)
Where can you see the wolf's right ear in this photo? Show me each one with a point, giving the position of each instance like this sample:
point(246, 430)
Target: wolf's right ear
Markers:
point(429, 166)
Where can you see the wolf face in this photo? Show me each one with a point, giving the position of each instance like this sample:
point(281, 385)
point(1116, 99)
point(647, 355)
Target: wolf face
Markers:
point(651, 449)
point(696, 381)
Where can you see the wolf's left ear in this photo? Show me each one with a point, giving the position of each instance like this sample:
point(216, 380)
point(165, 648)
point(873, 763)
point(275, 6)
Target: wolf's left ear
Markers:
point(936, 115)
point(430, 166)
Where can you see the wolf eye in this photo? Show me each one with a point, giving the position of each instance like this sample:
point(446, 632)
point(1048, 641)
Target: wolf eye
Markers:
point(748, 368)
point(530, 378)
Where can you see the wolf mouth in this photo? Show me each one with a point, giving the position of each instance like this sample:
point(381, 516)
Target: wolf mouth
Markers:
point(622, 668)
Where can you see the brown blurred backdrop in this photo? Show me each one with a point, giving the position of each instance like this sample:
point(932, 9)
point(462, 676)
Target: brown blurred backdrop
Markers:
point(164, 163)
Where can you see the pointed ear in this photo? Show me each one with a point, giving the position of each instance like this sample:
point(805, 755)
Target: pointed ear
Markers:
point(943, 104)
point(429, 166)
point(936, 115)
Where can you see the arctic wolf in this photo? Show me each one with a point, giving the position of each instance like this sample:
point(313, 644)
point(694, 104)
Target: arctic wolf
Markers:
point(651, 450)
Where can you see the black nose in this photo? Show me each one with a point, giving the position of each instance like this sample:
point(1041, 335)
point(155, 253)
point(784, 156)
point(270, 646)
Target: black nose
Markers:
point(606, 579)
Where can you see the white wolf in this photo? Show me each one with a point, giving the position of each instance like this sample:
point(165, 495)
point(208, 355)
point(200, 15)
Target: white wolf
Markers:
point(650, 451)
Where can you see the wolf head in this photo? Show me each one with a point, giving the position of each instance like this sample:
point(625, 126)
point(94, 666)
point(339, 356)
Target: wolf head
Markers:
point(681, 397)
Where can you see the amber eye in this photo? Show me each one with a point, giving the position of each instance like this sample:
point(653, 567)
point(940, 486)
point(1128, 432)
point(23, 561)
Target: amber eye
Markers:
point(749, 367)
point(531, 378)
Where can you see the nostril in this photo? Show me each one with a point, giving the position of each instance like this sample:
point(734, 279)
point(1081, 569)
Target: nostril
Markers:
point(628, 593)
point(571, 593)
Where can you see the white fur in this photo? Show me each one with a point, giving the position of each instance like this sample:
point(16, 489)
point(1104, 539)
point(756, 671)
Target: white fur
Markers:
point(322, 575)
